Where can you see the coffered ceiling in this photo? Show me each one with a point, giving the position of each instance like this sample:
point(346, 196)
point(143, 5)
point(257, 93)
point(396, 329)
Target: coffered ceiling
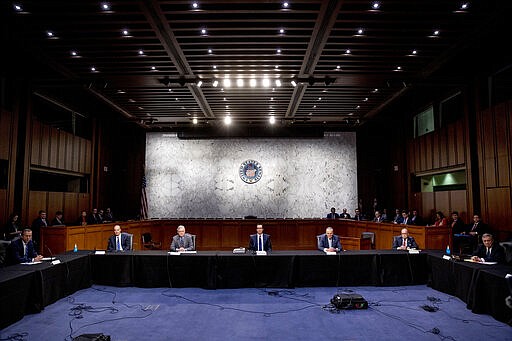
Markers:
point(144, 59)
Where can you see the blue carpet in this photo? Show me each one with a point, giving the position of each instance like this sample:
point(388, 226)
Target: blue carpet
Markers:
point(257, 314)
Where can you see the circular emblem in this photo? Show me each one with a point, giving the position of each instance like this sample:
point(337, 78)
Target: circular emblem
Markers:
point(250, 171)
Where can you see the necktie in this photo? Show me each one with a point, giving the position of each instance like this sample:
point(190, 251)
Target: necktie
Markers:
point(181, 242)
point(330, 242)
point(474, 227)
point(405, 242)
point(488, 252)
point(26, 251)
point(118, 243)
point(260, 243)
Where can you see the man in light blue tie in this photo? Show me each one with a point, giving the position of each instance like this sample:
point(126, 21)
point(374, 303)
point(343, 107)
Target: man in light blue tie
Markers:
point(260, 241)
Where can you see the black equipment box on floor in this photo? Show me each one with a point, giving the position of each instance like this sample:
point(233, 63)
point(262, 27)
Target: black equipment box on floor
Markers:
point(349, 301)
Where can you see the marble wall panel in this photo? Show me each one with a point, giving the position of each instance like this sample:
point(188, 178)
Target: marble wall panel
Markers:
point(302, 178)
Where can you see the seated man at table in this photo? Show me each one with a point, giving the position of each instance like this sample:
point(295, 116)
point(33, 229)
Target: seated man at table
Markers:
point(489, 251)
point(329, 242)
point(182, 241)
point(22, 250)
point(118, 241)
point(260, 241)
point(404, 241)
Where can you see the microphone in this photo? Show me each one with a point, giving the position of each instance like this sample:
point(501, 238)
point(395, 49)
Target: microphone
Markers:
point(51, 254)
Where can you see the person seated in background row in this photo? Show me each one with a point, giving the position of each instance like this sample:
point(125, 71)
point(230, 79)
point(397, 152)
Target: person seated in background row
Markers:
point(94, 217)
point(358, 215)
point(260, 241)
point(440, 219)
point(415, 218)
point(489, 251)
point(22, 250)
point(398, 219)
point(333, 214)
point(405, 218)
point(345, 214)
point(82, 220)
point(404, 241)
point(457, 224)
point(384, 214)
point(476, 229)
point(182, 241)
point(378, 217)
point(108, 217)
point(13, 227)
point(329, 242)
point(59, 219)
point(118, 241)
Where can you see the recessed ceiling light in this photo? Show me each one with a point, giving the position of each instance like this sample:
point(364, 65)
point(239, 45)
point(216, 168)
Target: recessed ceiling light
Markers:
point(227, 120)
point(278, 51)
point(195, 5)
point(105, 6)
point(73, 53)
point(227, 82)
point(252, 82)
point(240, 82)
point(17, 7)
point(141, 52)
point(286, 4)
point(194, 120)
point(281, 31)
point(204, 31)
point(375, 5)
point(266, 82)
point(210, 51)
point(125, 33)
point(272, 120)
point(215, 83)
point(278, 82)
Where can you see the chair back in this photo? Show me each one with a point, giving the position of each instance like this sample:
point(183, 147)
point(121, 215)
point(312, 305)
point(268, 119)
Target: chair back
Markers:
point(193, 241)
point(130, 239)
point(318, 240)
point(146, 237)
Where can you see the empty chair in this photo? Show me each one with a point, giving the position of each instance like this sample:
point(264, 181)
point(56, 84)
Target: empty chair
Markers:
point(149, 243)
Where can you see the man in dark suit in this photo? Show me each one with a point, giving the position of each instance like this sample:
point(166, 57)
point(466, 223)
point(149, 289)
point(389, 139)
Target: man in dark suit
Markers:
point(345, 214)
point(118, 241)
point(415, 218)
point(182, 241)
point(333, 214)
point(329, 242)
point(260, 241)
point(22, 250)
point(489, 251)
point(404, 241)
point(39, 223)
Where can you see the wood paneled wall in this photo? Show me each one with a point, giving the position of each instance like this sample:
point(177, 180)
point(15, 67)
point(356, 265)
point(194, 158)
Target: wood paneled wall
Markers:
point(8, 146)
point(56, 150)
point(444, 148)
point(494, 136)
point(60, 150)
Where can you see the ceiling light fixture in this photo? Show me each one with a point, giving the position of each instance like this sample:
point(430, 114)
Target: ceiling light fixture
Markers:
point(272, 120)
point(227, 120)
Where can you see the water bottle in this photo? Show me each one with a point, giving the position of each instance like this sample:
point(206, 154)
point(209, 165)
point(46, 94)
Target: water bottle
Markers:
point(448, 250)
point(75, 249)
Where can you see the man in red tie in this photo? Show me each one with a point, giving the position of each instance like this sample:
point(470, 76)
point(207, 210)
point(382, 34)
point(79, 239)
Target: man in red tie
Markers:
point(404, 241)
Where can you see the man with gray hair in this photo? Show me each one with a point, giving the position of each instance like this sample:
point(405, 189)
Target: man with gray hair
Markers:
point(329, 242)
point(182, 241)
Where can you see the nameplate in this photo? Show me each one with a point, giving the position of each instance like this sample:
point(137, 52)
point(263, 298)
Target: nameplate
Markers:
point(261, 253)
point(174, 253)
point(330, 253)
point(55, 262)
point(447, 257)
point(99, 253)
point(414, 251)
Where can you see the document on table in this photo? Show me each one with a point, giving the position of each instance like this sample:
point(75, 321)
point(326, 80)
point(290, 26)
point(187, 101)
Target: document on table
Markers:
point(31, 263)
point(475, 261)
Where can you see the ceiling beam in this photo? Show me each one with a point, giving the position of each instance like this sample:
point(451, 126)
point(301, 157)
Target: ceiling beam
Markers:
point(324, 23)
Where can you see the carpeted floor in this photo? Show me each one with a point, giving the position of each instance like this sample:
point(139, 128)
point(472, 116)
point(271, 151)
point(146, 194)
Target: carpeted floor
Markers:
point(257, 314)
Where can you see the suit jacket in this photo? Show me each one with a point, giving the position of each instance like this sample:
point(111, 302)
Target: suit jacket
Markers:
point(378, 220)
point(398, 241)
point(56, 222)
point(16, 253)
point(125, 243)
point(188, 243)
point(330, 216)
point(497, 253)
point(415, 220)
point(253, 242)
point(458, 226)
point(323, 243)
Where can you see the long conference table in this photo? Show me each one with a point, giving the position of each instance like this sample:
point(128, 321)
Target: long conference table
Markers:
point(28, 289)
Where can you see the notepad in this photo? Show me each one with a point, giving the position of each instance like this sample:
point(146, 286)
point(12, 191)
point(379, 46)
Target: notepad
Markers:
point(31, 263)
point(474, 261)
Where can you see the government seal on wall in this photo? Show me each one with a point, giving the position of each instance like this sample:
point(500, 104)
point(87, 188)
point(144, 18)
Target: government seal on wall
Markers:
point(250, 171)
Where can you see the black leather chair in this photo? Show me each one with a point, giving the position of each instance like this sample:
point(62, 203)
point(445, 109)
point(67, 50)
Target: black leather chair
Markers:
point(149, 243)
